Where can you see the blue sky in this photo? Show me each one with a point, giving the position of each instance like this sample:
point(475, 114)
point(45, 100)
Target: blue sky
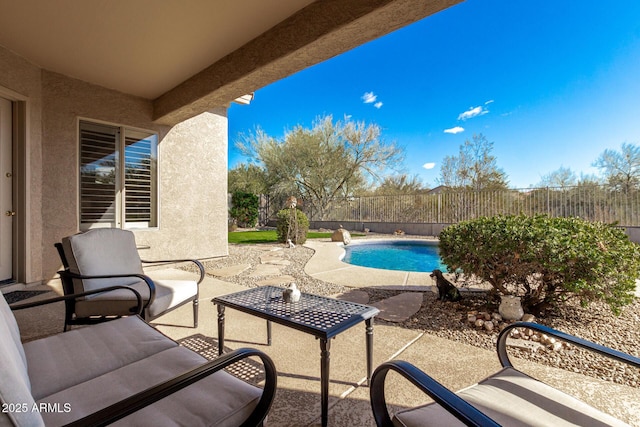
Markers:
point(552, 83)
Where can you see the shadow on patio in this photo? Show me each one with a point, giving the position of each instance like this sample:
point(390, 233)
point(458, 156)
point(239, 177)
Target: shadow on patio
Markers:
point(297, 358)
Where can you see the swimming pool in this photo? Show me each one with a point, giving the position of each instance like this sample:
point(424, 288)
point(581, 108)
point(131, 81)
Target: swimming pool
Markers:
point(405, 255)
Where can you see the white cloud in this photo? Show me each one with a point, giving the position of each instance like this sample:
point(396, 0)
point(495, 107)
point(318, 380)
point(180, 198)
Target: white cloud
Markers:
point(473, 112)
point(378, 104)
point(454, 130)
point(369, 97)
point(489, 102)
point(429, 165)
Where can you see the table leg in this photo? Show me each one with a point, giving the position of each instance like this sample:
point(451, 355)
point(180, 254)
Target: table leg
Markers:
point(325, 346)
point(220, 329)
point(268, 332)
point(369, 329)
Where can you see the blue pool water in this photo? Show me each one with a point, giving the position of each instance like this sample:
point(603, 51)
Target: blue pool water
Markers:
point(408, 255)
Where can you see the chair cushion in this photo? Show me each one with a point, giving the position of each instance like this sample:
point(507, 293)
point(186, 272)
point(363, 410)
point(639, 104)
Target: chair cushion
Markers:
point(15, 387)
point(64, 360)
point(220, 399)
point(512, 398)
point(169, 293)
point(102, 251)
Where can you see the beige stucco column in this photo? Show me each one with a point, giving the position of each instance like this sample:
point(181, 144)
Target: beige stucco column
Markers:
point(193, 196)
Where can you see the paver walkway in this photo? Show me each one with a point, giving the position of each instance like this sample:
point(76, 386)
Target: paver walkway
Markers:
point(400, 307)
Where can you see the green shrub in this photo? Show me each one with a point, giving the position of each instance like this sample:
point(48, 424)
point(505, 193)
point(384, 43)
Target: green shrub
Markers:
point(545, 260)
point(292, 224)
point(244, 209)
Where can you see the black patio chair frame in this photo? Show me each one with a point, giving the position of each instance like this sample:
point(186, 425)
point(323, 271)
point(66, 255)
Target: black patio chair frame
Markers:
point(450, 401)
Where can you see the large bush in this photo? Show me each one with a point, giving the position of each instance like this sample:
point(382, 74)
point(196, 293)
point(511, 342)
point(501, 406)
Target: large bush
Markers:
point(292, 224)
point(545, 260)
point(244, 208)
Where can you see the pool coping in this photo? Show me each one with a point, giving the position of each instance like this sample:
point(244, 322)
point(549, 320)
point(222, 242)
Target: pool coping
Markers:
point(326, 264)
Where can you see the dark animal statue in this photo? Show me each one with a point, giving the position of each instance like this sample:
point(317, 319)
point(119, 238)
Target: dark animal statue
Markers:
point(446, 290)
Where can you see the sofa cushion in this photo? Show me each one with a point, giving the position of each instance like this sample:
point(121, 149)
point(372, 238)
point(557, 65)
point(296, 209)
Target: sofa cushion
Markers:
point(13, 331)
point(15, 387)
point(64, 360)
point(220, 399)
point(512, 398)
point(102, 251)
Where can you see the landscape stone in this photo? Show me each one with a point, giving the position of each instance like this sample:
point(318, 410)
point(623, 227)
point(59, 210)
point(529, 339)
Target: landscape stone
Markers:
point(360, 297)
point(270, 257)
point(278, 262)
point(265, 270)
point(341, 235)
point(275, 281)
point(232, 270)
point(400, 307)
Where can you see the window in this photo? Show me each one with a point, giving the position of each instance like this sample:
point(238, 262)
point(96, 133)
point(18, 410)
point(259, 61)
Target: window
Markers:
point(118, 177)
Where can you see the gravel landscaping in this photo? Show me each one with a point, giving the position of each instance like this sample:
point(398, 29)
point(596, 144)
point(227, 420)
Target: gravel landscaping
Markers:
point(450, 320)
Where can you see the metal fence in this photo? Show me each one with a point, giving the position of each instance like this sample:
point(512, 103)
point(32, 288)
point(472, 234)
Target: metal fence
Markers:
point(591, 203)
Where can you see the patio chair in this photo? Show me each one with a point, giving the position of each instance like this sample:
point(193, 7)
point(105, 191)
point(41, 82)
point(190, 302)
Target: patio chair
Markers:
point(109, 257)
point(507, 398)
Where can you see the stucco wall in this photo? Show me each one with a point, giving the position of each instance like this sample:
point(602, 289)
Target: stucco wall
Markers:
point(193, 191)
point(192, 171)
point(21, 82)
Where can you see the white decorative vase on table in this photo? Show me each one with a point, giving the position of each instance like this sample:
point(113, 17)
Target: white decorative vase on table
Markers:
point(291, 293)
point(510, 307)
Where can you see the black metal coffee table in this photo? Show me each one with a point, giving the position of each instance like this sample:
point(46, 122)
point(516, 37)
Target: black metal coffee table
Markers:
point(319, 316)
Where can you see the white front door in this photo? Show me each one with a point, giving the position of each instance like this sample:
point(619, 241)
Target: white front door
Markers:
point(7, 212)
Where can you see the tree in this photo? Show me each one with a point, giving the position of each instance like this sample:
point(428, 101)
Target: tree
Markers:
point(475, 168)
point(248, 178)
point(329, 161)
point(400, 184)
point(621, 169)
point(244, 209)
point(562, 177)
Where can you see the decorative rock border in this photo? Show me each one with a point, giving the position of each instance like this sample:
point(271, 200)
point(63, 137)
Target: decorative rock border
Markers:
point(493, 322)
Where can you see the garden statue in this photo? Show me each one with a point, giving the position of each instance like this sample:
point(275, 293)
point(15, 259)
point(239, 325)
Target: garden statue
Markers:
point(291, 294)
point(510, 307)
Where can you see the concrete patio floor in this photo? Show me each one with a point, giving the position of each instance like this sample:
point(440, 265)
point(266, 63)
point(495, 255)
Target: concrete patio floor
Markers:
point(297, 358)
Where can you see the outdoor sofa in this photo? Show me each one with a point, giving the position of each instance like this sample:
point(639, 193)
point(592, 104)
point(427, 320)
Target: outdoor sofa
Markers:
point(508, 397)
point(124, 372)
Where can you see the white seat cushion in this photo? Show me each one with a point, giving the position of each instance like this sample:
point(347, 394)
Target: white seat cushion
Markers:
point(512, 398)
point(169, 293)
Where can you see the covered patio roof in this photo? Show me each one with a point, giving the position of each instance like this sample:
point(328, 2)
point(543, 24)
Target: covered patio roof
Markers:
point(189, 57)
